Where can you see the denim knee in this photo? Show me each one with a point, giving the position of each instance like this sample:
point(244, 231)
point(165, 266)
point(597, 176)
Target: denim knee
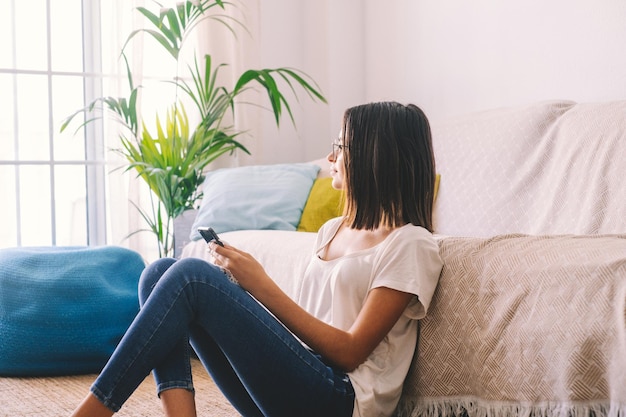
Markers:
point(151, 275)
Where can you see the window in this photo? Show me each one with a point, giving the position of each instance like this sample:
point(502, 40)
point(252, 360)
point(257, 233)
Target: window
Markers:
point(59, 55)
point(52, 183)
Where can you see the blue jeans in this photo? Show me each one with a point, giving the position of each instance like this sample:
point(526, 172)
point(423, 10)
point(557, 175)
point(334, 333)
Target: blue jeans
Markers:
point(261, 368)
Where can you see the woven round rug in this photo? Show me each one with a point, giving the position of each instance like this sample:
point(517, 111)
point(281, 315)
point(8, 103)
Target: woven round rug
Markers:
point(58, 396)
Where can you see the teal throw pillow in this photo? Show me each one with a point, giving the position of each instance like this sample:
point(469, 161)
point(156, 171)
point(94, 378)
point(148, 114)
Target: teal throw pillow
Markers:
point(254, 197)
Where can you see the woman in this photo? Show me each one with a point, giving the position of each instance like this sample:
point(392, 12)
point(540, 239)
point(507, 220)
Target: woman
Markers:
point(344, 347)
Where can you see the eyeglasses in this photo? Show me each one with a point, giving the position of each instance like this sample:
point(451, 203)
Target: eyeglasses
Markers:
point(338, 147)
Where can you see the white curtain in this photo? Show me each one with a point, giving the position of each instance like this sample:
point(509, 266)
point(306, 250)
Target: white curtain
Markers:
point(126, 192)
point(241, 52)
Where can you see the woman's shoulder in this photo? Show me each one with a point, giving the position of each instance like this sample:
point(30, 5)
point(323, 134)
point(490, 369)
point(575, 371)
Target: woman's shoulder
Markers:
point(411, 232)
point(331, 226)
point(327, 231)
point(413, 243)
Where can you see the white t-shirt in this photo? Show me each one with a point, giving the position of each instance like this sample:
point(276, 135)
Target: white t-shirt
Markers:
point(334, 291)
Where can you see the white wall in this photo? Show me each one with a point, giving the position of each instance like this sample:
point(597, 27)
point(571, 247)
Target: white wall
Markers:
point(448, 56)
point(325, 39)
point(455, 56)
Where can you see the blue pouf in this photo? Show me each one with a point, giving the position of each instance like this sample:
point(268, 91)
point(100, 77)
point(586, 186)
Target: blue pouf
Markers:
point(64, 309)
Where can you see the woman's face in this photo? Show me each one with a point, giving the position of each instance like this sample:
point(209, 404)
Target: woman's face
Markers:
point(335, 157)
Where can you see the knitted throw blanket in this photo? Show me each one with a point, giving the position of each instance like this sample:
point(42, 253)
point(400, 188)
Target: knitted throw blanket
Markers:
point(524, 326)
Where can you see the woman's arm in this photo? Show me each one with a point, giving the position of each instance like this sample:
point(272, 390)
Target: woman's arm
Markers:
point(344, 349)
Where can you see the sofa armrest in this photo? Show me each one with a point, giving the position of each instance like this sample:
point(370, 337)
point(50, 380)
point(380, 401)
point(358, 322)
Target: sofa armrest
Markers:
point(284, 254)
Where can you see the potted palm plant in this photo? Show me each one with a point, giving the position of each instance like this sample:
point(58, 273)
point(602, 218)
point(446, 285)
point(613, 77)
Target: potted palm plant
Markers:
point(172, 161)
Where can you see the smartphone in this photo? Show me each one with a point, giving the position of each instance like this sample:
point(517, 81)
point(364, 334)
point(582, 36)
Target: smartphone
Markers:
point(209, 234)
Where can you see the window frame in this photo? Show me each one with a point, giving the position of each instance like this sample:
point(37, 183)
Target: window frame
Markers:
point(94, 160)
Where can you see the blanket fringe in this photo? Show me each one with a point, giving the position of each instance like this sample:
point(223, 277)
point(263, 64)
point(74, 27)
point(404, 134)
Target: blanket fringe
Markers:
point(475, 407)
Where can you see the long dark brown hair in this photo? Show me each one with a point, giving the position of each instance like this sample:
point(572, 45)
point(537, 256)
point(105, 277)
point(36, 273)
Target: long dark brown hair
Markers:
point(389, 166)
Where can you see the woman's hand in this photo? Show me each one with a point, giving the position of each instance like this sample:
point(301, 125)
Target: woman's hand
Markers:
point(244, 268)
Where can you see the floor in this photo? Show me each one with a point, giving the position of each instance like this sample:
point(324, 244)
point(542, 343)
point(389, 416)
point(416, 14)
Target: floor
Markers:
point(57, 396)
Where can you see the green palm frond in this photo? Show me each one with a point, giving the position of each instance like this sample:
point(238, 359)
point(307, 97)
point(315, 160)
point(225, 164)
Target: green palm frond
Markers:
point(265, 78)
point(172, 161)
point(171, 25)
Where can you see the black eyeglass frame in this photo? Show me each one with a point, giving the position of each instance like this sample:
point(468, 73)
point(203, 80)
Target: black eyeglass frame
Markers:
point(338, 147)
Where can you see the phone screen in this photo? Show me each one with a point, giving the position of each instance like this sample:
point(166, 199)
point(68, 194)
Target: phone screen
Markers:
point(209, 234)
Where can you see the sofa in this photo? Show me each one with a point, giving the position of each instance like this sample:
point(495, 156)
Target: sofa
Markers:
point(529, 315)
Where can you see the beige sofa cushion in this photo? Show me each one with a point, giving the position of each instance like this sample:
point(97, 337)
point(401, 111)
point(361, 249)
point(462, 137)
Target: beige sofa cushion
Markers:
point(283, 253)
point(524, 324)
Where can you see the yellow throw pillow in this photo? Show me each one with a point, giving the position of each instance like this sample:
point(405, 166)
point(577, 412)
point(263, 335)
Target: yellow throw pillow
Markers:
point(323, 204)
